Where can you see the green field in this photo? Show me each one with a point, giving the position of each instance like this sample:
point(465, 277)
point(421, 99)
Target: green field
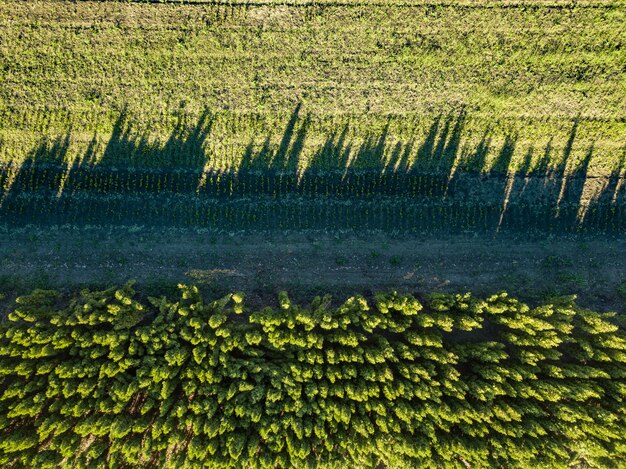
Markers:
point(461, 116)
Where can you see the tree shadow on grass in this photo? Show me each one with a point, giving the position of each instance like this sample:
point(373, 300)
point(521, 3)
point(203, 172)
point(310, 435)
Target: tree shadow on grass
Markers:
point(437, 182)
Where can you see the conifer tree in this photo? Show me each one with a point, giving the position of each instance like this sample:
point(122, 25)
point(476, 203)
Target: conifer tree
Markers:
point(103, 379)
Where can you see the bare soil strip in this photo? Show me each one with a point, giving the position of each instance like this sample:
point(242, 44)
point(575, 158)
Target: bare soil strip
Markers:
point(309, 264)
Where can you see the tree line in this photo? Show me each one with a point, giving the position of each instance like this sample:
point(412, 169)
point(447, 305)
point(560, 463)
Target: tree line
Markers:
point(112, 379)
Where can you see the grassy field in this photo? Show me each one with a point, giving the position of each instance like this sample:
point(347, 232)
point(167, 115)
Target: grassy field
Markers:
point(417, 117)
point(526, 72)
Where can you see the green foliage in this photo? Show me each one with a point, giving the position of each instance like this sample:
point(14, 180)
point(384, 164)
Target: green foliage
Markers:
point(104, 379)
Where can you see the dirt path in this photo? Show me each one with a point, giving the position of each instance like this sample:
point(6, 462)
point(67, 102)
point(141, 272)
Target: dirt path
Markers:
point(307, 264)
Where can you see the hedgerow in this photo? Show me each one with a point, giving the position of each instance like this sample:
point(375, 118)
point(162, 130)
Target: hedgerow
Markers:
point(107, 379)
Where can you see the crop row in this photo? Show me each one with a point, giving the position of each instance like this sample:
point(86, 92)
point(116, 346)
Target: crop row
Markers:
point(352, 183)
point(261, 213)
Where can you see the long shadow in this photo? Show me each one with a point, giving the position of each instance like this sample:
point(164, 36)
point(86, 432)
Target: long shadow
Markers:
point(184, 148)
point(128, 163)
point(435, 183)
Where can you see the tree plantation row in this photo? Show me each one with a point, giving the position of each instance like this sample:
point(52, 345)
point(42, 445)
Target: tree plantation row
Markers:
point(111, 379)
